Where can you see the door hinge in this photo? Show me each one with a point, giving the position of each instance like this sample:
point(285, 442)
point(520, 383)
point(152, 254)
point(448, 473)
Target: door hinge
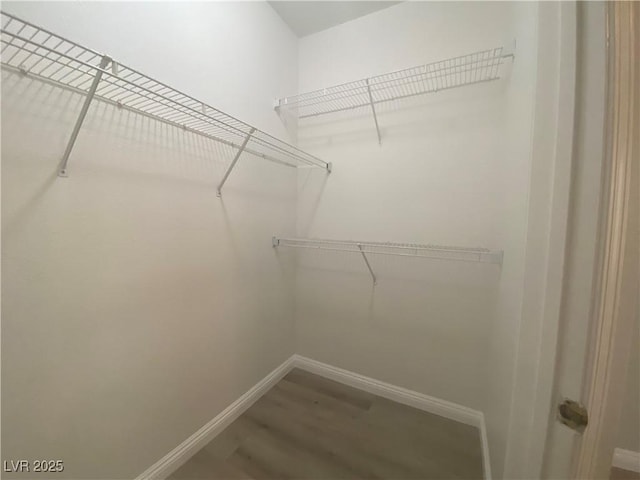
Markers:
point(573, 415)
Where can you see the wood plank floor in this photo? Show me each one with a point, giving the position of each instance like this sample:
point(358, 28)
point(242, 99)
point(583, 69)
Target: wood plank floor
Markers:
point(619, 474)
point(309, 427)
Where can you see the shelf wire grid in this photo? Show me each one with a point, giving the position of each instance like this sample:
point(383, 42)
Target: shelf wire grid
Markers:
point(441, 252)
point(37, 52)
point(478, 67)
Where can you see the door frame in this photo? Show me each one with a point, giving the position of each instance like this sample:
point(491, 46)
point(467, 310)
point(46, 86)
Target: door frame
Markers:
point(615, 302)
point(547, 230)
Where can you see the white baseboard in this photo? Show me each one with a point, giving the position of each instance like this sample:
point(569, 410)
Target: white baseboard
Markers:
point(626, 460)
point(179, 455)
point(429, 404)
point(183, 452)
point(417, 400)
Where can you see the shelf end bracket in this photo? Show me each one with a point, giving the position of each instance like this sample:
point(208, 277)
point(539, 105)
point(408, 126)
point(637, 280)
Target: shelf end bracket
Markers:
point(234, 161)
point(366, 260)
point(373, 110)
point(62, 171)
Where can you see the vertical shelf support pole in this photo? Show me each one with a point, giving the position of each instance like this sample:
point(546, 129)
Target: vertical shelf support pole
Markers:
point(62, 172)
point(373, 109)
point(366, 260)
point(234, 161)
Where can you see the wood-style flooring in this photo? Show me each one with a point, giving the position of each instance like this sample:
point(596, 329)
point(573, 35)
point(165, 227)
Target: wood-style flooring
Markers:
point(619, 474)
point(309, 427)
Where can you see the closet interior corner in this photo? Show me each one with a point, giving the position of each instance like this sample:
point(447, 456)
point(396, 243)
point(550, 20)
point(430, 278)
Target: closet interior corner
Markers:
point(346, 282)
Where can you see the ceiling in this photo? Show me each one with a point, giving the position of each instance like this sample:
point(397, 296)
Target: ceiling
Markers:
point(305, 18)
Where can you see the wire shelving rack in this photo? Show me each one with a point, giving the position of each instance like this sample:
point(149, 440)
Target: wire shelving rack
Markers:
point(473, 68)
point(439, 252)
point(40, 53)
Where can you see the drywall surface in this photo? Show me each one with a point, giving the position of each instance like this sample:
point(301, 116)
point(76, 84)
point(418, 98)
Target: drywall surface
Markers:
point(136, 305)
point(453, 169)
point(514, 182)
point(628, 432)
point(213, 52)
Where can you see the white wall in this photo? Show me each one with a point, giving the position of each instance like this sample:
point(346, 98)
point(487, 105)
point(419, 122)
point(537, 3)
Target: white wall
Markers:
point(453, 168)
point(515, 178)
point(136, 305)
point(213, 52)
point(132, 284)
point(628, 431)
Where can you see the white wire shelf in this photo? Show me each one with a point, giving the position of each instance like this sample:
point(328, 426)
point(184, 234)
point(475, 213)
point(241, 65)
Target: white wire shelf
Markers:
point(439, 252)
point(478, 67)
point(37, 52)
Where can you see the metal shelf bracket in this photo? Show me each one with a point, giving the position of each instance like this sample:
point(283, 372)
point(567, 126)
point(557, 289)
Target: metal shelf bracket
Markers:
point(62, 172)
point(375, 117)
point(366, 260)
point(234, 161)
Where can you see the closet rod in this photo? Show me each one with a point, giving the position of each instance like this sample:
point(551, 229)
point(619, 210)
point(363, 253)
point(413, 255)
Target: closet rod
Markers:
point(39, 53)
point(473, 68)
point(437, 252)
